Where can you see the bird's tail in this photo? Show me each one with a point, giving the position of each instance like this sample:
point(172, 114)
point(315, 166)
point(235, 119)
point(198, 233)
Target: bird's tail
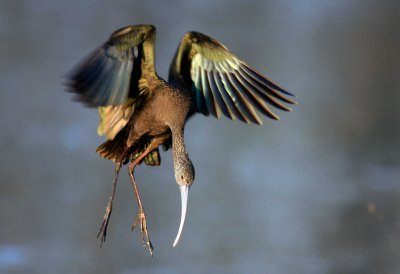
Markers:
point(114, 150)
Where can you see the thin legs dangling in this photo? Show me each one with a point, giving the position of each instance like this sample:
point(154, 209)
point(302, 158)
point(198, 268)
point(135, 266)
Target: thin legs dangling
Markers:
point(104, 225)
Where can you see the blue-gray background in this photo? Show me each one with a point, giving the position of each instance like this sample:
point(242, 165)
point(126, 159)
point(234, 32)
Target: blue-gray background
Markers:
point(316, 192)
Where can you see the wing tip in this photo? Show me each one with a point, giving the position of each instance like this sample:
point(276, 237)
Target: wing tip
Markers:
point(276, 118)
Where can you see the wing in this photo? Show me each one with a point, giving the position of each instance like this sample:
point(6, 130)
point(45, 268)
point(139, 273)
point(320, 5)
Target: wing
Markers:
point(222, 83)
point(108, 77)
point(114, 118)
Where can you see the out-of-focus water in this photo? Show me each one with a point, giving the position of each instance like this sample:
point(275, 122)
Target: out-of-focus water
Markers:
point(316, 192)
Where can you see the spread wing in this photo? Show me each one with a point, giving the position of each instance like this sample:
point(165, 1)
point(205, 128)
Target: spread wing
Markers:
point(108, 77)
point(222, 83)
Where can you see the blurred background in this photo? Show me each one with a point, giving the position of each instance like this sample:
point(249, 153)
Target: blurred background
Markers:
point(316, 192)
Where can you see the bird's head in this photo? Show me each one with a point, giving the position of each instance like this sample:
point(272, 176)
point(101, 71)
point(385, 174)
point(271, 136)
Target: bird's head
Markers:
point(184, 175)
point(184, 172)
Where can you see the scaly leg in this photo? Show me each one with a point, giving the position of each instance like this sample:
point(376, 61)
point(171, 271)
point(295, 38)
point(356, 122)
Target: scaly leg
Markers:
point(103, 229)
point(141, 216)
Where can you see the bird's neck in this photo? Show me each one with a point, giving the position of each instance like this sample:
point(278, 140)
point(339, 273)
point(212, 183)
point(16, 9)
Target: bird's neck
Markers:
point(182, 163)
point(178, 144)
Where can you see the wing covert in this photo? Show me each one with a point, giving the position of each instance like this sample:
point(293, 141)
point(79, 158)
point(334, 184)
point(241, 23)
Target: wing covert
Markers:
point(110, 74)
point(108, 78)
point(223, 84)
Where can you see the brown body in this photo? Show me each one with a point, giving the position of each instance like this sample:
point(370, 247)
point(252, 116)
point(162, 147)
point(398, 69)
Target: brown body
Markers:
point(139, 111)
point(163, 111)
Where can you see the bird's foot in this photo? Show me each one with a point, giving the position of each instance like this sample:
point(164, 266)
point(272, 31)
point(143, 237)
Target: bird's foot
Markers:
point(103, 229)
point(141, 219)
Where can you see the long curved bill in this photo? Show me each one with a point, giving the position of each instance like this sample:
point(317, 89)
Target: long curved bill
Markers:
point(184, 200)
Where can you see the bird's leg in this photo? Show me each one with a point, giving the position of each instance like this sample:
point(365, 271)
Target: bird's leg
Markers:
point(141, 216)
point(103, 229)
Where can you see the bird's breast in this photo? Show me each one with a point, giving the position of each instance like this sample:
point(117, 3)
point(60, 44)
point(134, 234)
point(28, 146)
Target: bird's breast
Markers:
point(166, 108)
point(171, 106)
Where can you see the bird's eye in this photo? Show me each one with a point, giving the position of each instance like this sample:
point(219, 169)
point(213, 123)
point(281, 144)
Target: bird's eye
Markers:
point(182, 177)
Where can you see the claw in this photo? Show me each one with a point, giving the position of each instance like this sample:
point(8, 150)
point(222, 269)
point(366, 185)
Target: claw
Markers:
point(141, 218)
point(104, 225)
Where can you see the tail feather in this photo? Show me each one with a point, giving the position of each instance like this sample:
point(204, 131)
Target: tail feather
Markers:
point(112, 150)
point(116, 151)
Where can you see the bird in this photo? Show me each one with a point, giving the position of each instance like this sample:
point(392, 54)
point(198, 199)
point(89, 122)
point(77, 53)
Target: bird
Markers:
point(140, 112)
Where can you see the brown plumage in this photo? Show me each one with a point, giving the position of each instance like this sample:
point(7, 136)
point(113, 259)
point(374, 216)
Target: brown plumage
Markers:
point(139, 111)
